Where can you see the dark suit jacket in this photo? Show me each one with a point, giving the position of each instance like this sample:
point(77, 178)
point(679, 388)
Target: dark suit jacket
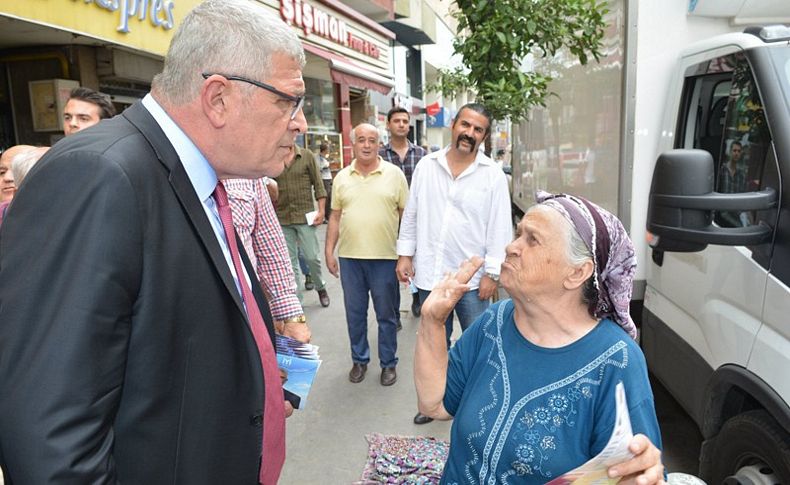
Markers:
point(125, 353)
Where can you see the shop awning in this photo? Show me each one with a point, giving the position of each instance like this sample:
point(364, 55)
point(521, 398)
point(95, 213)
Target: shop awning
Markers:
point(345, 71)
point(408, 35)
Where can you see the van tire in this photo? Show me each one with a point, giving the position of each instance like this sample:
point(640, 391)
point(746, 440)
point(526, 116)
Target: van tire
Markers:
point(751, 438)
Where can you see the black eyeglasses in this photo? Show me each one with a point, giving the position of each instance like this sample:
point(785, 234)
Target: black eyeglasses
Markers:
point(298, 101)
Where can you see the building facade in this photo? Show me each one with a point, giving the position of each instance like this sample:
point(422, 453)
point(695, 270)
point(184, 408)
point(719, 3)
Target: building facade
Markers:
point(47, 48)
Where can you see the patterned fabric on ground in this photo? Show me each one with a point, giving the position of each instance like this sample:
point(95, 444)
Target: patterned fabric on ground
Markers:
point(402, 459)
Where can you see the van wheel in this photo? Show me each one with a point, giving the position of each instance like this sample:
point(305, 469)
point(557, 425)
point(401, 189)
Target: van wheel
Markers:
point(751, 448)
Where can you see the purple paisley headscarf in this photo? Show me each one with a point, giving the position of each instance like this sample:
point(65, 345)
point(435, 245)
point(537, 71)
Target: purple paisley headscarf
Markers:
point(612, 250)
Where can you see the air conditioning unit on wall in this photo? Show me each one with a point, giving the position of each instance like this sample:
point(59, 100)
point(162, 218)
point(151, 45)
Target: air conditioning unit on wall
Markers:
point(48, 97)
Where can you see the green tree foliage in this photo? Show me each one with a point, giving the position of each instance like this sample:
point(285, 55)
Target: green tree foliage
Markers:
point(495, 36)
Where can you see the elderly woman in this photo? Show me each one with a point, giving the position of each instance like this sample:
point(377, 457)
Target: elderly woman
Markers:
point(531, 384)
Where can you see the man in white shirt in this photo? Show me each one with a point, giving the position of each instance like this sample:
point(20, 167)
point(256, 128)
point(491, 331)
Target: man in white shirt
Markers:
point(459, 207)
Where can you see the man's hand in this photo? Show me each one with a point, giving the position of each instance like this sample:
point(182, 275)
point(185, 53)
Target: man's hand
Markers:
point(487, 288)
point(273, 189)
point(318, 219)
point(289, 409)
point(404, 269)
point(644, 468)
point(445, 295)
point(331, 264)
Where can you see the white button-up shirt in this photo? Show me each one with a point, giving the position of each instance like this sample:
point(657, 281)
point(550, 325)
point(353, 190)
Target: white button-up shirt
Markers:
point(448, 220)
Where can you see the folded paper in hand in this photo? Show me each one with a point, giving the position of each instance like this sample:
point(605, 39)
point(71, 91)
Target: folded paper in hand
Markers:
point(310, 216)
point(616, 450)
point(299, 362)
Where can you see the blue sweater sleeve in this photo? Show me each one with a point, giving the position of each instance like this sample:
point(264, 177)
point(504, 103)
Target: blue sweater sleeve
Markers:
point(462, 357)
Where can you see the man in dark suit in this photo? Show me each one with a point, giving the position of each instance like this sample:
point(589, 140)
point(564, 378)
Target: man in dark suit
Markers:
point(126, 351)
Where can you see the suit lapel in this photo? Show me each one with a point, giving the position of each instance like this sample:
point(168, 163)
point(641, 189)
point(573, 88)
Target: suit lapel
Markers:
point(185, 193)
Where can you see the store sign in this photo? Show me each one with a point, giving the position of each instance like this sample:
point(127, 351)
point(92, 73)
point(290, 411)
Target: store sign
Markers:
point(314, 20)
point(158, 12)
point(440, 119)
point(402, 101)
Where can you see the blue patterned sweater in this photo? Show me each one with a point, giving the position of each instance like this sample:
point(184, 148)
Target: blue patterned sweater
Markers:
point(527, 414)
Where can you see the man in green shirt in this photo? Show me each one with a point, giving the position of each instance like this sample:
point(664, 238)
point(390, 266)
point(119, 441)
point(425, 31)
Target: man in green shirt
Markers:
point(298, 217)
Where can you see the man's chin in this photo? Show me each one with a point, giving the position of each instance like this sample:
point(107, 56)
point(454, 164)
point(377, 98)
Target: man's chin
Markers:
point(274, 170)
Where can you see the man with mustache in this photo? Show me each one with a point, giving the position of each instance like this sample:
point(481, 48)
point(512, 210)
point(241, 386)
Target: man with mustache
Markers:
point(458, 207)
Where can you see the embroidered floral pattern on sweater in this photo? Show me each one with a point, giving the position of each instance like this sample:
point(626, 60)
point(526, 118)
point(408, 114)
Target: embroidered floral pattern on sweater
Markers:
point(533, 436)
point(529, 426)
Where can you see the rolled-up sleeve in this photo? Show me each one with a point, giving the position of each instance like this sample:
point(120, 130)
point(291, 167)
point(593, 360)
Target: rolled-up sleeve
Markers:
point(499, 230)
point(407, 237)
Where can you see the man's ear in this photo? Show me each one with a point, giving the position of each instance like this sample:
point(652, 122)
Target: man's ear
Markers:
point(214, 100)
point(577, 276)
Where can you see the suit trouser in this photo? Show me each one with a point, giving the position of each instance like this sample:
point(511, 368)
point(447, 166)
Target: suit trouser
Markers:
point(304, 236)
point(375, 279)
point(328, 188)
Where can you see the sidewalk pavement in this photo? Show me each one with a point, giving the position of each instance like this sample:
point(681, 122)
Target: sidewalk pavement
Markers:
point(326, 440)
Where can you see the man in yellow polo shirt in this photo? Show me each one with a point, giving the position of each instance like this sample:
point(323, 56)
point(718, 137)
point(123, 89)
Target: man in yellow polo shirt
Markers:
point(368, 198)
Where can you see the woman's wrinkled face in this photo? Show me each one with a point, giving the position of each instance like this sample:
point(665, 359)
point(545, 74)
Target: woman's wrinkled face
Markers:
point(536, 262)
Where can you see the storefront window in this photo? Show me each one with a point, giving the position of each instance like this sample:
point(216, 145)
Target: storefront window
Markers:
point(319, 106)
point(333, 142)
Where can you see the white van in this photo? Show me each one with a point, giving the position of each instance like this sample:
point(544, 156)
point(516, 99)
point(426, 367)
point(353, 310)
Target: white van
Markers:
point(716, 320)
point(690, 88)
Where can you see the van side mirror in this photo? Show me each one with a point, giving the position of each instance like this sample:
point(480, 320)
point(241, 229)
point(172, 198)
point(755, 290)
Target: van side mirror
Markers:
point(682, 201)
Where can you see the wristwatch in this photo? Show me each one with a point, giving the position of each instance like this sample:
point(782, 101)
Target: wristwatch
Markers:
point(296, 319)
point(493, 276)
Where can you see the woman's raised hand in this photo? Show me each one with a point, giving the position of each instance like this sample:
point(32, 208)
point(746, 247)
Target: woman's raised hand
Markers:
point(446, 294)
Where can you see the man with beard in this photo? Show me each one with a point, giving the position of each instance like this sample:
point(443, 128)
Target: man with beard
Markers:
point(458, 207)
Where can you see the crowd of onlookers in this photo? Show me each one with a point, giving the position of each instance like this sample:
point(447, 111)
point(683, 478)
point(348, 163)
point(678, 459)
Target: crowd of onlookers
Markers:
point(84, 108)
point(138, 330)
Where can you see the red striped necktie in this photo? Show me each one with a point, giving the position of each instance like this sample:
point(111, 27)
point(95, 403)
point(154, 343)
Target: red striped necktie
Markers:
point(274, 407)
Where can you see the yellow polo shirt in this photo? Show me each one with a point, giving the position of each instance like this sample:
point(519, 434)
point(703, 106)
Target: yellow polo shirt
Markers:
point(369, 210)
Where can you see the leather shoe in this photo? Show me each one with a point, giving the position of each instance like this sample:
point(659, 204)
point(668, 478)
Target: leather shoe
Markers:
point(415, 305)
point(388, 376)
point(308, 283)
point(422, 419)
point(324, 298)
point(357, 373)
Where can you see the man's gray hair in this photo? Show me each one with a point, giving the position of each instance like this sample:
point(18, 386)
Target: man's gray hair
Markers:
point(23, 162)
point(232, 37)
point(367, 125)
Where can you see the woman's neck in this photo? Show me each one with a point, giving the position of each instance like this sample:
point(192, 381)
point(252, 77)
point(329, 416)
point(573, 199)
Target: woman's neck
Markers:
point(552, 322)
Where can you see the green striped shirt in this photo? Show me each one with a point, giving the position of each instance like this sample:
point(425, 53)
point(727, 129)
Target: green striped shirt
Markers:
point(296, 186)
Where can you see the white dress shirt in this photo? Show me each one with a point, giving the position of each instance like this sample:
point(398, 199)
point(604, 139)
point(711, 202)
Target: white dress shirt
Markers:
point(448, 220)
